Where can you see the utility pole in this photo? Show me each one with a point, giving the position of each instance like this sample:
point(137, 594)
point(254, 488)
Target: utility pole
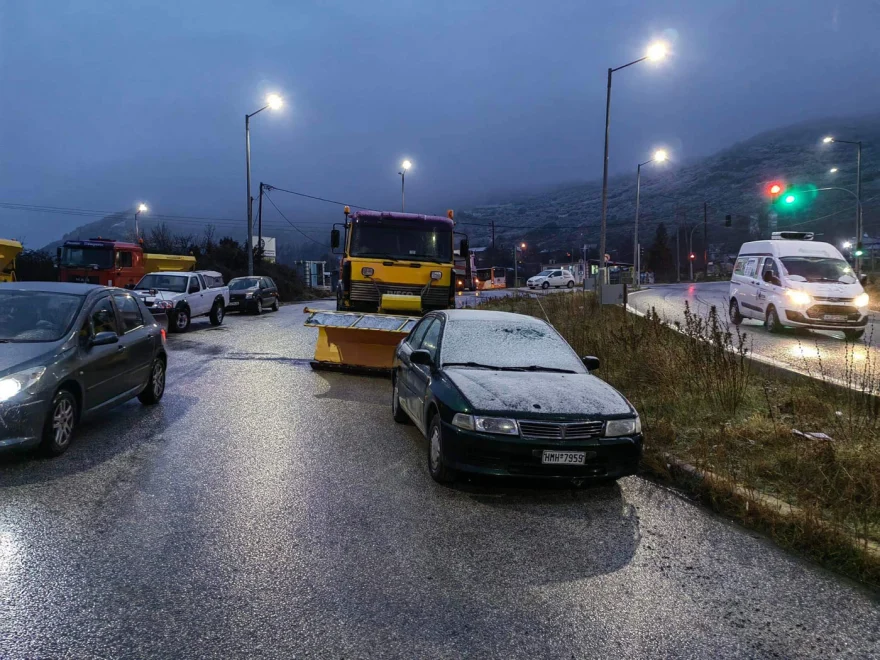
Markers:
point(492, 223)
point(678, 248)
point(515, 276)
point(706, 240)
point(260, 222)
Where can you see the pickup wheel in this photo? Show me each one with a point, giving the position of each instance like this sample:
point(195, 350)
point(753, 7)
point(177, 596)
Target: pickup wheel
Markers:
point(217, 313)
point(179, 320)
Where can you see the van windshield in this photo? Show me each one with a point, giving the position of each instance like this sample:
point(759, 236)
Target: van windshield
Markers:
point(818, 269)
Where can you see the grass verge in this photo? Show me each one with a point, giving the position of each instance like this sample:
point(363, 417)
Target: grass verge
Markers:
point(743, 439)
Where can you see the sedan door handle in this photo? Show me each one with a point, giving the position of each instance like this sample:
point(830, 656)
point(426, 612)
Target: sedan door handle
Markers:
point(119, 349)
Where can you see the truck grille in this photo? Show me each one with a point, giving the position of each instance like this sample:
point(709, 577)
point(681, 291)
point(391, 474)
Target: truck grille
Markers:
point(551, 431)
point(436, 296)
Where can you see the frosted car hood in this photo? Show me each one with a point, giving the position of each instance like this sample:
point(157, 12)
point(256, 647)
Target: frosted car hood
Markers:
point(538, 392)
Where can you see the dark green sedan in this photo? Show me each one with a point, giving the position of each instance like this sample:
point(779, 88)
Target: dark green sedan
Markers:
point(504, 394)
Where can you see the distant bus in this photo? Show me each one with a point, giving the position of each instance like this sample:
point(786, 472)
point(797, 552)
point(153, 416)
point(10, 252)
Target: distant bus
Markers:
point(494, 277)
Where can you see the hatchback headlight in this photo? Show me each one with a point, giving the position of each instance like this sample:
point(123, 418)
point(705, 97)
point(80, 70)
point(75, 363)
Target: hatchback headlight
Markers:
point(499, 425)
point(616, 427)
point(861, 300)
point(798, 297)
point(15, 383)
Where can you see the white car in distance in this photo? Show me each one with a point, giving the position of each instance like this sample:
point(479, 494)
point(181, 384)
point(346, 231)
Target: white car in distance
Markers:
point(557, 278)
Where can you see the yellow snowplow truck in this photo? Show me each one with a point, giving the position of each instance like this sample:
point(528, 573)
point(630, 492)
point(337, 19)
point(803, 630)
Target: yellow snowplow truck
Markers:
point(394, 268)
point(9, 250)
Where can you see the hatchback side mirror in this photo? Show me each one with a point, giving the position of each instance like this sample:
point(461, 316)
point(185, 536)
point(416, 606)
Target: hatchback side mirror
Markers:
point(421, 356)
point(591, 362)
point(103, 339)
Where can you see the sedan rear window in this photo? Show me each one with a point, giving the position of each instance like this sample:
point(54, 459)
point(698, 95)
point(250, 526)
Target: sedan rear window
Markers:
point(27, 316)
point(506, 344)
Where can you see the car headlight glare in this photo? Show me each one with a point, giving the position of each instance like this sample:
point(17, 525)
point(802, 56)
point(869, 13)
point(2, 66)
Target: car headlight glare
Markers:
point(861, 300)
point(616, 427)
point(15, 383)
point(798, 297)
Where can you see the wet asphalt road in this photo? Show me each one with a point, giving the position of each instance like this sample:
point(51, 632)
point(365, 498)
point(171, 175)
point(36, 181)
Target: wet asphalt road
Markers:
point(266, 510)
point(810, 352)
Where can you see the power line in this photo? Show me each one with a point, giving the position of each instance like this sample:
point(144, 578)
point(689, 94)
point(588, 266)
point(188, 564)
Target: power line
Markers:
point(289, 222)
point(320, 199)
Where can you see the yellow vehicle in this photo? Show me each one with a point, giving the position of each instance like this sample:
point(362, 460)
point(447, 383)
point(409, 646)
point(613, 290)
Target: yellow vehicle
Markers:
point(394, 268)
point(9, 250)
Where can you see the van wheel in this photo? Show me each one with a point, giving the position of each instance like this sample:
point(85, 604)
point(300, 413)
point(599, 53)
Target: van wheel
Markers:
point(735, 316)
point(217, 313)
point(771, 320)
point(853, 335)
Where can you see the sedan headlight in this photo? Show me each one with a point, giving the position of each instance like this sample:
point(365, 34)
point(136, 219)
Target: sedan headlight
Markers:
point(15, 383)
point(861, 300)
point(616, 427)
point(798, 297)
point(498, 425)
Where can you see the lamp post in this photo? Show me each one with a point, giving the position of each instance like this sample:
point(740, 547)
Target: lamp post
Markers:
point(858, 143)
point(516, 248)
point(274, 102)
point(140, 209)
point(656, 51)
point(404, 166)
point(659, 156)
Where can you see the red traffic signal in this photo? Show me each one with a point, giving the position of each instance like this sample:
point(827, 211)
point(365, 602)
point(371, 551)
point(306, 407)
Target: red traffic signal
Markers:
point(692, 256)
point(775, 188)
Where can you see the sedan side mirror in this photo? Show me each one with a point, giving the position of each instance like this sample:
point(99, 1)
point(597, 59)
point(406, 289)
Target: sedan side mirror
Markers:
point(103, 339)
point(421, 356)
point(591, 362)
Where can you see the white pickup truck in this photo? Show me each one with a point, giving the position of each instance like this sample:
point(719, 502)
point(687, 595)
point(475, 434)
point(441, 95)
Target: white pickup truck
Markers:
point(184, 296)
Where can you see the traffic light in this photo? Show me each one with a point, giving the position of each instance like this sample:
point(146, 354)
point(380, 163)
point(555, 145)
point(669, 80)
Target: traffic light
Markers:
point(775, 188)
point(790, 198)
point(692, 256)
point(728, 220)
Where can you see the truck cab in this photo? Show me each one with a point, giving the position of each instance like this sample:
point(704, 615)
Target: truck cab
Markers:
point(101, 261)
point(399, 262)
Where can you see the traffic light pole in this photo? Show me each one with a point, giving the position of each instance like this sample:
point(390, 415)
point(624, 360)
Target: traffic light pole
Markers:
point(706, 240)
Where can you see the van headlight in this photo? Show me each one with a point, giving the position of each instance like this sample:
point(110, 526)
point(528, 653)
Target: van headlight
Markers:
point(798, 297)
point(616, 427)
point(15, 383)
point(861, 300)
point(499, 425)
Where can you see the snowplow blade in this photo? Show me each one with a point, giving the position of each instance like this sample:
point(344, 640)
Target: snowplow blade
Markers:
point(357, 341)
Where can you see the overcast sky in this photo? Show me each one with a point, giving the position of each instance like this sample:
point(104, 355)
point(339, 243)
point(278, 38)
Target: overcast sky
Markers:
point(107, 102)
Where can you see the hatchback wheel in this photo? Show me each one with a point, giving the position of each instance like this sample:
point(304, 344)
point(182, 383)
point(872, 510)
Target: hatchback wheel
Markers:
point(258, 309)
point(275, 305)
point(59, 424)
point(155, 385)
point(570, 284)
point(545, 285)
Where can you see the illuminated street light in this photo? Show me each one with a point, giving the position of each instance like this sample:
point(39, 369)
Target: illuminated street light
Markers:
point(516, 248)
point(833, 170)
point(659, 156)
point(827, 139)
point(859, 231)
point(656, 51)
point(273, 102)
point(140, 209)
point(522, 246)
point(404, 166)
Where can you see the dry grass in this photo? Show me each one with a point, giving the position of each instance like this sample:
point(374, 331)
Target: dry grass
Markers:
point(703, 402)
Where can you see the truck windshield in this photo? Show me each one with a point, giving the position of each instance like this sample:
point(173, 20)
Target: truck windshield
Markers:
point(818, 269)
point(400, 242)
point(87, 257)
point(159, 282)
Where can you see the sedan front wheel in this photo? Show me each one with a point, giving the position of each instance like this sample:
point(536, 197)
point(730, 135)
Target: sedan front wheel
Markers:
point(59, 425)
point(439, 472)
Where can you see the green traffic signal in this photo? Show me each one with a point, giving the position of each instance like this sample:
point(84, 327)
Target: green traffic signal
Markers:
point(789, 199)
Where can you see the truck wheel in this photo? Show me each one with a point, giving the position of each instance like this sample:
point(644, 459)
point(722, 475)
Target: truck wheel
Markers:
point(59, 424)
point(735, 316)
point(179, 320)
point(853, 335)
point(217, 313)
point(771, 320)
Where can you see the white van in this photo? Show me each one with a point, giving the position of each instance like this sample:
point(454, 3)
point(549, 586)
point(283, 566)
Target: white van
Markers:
point(791, 280)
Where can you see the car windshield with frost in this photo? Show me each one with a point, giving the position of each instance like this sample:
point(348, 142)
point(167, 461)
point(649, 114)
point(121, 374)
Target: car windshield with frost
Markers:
point(528, 345)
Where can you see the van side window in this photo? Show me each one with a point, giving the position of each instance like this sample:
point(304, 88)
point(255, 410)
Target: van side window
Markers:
point(770, 267)
point(740, 266)
point(751, 267)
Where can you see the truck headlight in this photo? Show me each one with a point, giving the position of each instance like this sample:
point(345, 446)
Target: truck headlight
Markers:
point(798, 297)
point(15, 383)
point(861, 300)
point(616, 427)
point(436, 274)
point(366, 271)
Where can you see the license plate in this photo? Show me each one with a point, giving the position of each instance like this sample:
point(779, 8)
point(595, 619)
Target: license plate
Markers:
point(563, 457)
point(835, 317)
point(234, 303)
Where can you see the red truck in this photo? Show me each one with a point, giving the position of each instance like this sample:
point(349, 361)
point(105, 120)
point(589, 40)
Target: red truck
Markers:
point(114, 263)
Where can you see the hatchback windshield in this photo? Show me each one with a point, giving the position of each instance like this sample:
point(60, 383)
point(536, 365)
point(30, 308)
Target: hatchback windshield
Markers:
point(544, 273)
point(819, 269)
point(87, 257)
point(36, 315)
point(244, 283)
point(173, 283)
point(506, 344)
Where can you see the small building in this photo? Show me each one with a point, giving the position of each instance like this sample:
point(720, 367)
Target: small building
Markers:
point(314, 273)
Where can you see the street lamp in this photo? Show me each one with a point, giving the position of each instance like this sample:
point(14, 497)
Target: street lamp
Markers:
point(659, 156)
point(140, 209)
point(404, 166)
point(516, 248)
point(656, 52)
point(833, 170)
point(847, 245)
point(828, 139)
point(273, 102)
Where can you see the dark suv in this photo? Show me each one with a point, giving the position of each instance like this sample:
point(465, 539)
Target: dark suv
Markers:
point(252, 294)
point(70, 350)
